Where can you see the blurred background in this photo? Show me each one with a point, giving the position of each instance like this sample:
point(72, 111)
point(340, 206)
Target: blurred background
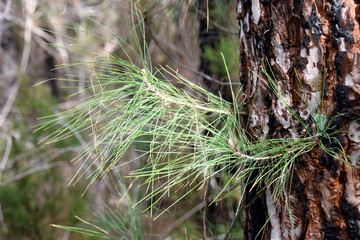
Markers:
point(187, 35)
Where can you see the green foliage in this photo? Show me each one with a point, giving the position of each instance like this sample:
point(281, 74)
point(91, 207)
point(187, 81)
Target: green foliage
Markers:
point(120, 222)
point(34, 101)
point(213, 55)
point(191, 135)
point(32, 202)
point(182, 137)
point(32, 191)
point(318, 132)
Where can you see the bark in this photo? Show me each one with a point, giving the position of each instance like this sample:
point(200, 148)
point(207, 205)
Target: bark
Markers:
point(305, 35)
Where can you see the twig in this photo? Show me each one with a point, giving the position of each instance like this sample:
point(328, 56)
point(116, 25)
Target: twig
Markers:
point(36, 30)
point(29, 155)
point(2, 221)
point(3, 16)
point(186, 216)
point(6, 155)
point(259, 158)
point(207, 15)
point(29, 172)
point(229, 189)
point(206, 203)
point(10, 101)
point(156, 39)
point(169, 45)
point(203, 15)
point(2, 167)
point(167, 98)
point(232, 222)
point(232, 145)
point(30, 7)
point(66, 235)
point(6, 10)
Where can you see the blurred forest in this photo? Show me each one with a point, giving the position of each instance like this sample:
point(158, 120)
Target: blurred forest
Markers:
point(187, 35)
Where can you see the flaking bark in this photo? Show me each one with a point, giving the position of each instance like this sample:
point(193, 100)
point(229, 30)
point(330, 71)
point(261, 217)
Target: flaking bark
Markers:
point(305, 35)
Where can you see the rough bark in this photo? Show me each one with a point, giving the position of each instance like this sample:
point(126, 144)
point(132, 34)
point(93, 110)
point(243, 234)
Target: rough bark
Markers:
point(305, 35)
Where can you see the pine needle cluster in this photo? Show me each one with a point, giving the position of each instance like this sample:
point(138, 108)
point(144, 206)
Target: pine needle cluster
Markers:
point(183, 136)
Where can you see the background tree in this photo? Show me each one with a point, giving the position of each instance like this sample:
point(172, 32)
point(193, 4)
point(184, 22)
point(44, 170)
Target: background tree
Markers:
point(311, 50)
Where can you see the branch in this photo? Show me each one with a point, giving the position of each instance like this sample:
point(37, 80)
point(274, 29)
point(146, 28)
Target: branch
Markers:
point(232, 145)
point(186, 216)
point(29, 172)
point(206, 204)
point(170, 99)
point(218, 26)
point(259, 158)
point(10, 101)
point(5, 157)
point(232, 222)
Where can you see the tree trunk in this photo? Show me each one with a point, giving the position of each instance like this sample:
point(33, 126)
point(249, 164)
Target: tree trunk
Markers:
point(324, 196)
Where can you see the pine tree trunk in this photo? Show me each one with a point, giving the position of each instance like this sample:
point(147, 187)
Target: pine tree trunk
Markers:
point(324, 199)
